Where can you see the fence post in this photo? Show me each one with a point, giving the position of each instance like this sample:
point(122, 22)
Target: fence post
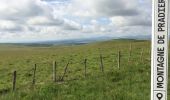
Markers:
point(35, 67)
point(141, 56)
point(65, 70)
point(54, 71)
point(14, 80)
point(130, 52)
point(118, 59)
point(101, 62)
point(85, 67)
point(149, 54)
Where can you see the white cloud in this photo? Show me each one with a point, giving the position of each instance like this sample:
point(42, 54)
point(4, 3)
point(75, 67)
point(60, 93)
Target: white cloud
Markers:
point(38, 20)
point(43, 20)
point(103, 8)
point(64, 19)
point(12, 9)
point(9, 25)
point(118, 21)
point(71, 25)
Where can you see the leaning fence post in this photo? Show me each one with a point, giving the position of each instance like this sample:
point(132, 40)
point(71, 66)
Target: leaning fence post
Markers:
point(35, 67)
point(101, 62)
point(85, 67)
point(14, 80)
point(65, 70)
point(118, 59)
point(54, 71)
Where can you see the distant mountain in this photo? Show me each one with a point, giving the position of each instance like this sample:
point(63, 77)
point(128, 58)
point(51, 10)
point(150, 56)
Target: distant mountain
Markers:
point(93, 39)
point(63, 42)
point(71, 41)
point(137, 37)
point(82, 41)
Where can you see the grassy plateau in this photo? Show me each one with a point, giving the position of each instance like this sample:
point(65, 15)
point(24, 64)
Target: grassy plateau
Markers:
point(131, 81)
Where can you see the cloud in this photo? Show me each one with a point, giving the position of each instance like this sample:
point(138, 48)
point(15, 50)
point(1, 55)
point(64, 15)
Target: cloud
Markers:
point(127, 12)
point(104, 8)
point(10, 9)
point(116, 7)
point(7, 25)
point(131, 21)
point(43, 20)
point(71, 25)
point(64, 19)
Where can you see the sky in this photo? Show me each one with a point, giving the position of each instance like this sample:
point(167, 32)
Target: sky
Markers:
point(37, 20)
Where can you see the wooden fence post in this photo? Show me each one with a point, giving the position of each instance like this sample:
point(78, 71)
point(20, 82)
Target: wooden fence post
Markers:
point(85, 67)
point(65, 71)
point(14, 80)
point(35, 67)
point(54, 71)
point(141, 56)
point(101, 62)
point(118, 59)
point(149, 54)
point(130, 52)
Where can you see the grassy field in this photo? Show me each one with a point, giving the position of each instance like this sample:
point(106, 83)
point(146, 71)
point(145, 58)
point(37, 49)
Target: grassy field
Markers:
point(130, 82)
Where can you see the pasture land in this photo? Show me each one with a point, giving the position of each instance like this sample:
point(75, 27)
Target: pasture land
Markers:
point(127, 80)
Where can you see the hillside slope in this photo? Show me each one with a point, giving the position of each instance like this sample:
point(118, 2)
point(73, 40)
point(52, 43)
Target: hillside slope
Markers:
point(131, 81)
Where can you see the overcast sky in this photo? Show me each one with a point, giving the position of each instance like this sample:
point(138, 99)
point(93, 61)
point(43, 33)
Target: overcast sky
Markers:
point(31, 20)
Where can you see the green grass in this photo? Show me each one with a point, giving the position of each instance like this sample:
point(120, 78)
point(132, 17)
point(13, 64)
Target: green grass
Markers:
point(130, 82)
